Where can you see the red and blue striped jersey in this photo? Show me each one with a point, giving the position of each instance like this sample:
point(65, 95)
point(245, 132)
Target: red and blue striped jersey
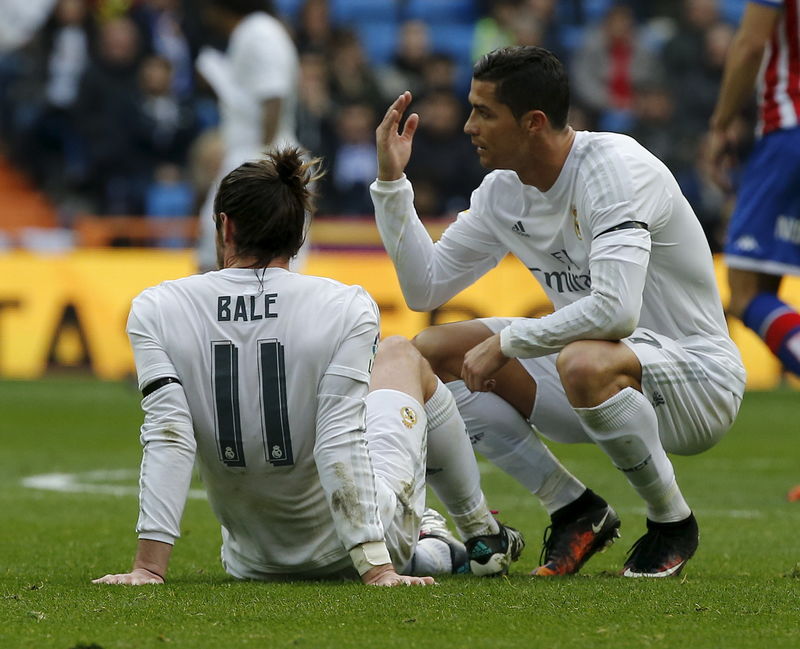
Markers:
point(779, 77)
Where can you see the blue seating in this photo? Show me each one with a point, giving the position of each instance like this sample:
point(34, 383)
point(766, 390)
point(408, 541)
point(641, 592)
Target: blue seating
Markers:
point(455, 40)
point(442, 11)
point(378, 38)
point(732, 10)
point(289, 9)
point(595, 10)
point(587, 12)
point(348, 12)
point(572, 36)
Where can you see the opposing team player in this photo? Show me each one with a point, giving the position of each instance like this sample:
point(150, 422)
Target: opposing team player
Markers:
point(636, 357)
point(763, 242)
point(262, 375)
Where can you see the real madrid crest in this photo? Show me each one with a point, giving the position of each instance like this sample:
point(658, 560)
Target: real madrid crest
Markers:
point(575, 222)
point(408, 417)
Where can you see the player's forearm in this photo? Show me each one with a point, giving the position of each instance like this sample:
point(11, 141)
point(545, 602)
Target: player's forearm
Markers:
point(271, 111)
point(165, 476)
point(152, 556)
point(406, 241)
point(739, 80)
point(429, 275)
point(610, 312)
point(168, 456)
point(343, 461)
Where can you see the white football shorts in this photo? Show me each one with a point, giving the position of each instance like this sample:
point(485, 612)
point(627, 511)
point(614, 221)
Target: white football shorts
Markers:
point(397, 437)
point(693, 412)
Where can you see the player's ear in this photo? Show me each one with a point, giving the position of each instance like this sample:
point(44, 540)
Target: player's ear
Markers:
point(534, 121)
point(227, 227)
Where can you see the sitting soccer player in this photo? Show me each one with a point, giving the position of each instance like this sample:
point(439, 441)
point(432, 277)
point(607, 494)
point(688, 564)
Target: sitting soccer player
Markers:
point(263, 375)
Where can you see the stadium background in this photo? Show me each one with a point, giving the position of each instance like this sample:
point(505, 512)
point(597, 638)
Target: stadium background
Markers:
point(81, 234)
point(94, 210)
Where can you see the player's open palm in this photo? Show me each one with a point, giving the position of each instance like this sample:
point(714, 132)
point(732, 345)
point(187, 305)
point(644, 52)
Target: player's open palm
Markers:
point(136, 577)
point(394, 146)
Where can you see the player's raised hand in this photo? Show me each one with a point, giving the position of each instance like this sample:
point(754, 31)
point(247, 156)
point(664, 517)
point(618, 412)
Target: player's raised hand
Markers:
point(136, 577)
point(394, 145)
point(385, 575)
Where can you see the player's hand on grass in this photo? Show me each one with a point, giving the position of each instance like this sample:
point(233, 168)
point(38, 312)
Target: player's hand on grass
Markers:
point(481, 363)
point(385, 575)
point(136, 577)
point(394, 146)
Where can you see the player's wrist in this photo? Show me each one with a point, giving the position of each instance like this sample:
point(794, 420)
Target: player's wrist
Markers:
point(390, 177)
point(149, 572)
point(378, 574)
point(506, 344)
point(370, 555)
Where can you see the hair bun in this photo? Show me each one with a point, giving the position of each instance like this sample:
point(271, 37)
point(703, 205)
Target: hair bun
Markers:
point(289, 166)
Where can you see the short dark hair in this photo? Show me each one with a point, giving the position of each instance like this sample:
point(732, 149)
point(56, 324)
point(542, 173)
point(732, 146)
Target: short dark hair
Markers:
point(244, 7)
point(268, 200)
point(527, 78)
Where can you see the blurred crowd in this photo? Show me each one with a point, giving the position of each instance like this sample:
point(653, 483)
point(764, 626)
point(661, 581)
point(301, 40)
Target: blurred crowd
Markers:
point(104, 110)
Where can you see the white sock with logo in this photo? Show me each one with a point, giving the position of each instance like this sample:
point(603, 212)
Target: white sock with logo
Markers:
point(506, 439)
point(626, 428)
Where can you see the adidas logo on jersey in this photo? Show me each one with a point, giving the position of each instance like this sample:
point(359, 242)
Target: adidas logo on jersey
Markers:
point(519, 229)
point(746, 243)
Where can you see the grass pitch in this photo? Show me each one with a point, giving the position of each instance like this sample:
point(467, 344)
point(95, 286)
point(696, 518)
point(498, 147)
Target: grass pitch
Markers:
point(741, 590)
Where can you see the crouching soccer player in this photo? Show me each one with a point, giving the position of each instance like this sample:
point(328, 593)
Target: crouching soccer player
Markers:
point(636, 357)
point(263, 376)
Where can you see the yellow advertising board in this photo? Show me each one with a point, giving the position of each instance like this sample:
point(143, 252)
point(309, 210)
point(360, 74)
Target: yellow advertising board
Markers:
point(70, 310)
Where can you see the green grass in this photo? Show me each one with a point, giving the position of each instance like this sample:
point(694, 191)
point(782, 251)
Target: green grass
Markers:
point(741, 590)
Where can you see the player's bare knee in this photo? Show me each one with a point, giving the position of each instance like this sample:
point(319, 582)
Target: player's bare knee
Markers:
point(444, 346)
point(738, 303)
point(396, 349)
point(581, 369)
point(745, 285)
point(403, 351)
point(593, 371)
point(399, 366)
point(431, 343)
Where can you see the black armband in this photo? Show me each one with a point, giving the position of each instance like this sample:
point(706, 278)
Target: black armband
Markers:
point(628, 225)
point(158, 384)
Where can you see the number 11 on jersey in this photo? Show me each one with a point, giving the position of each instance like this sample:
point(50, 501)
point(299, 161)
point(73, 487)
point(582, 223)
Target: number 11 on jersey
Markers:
point(272, 400)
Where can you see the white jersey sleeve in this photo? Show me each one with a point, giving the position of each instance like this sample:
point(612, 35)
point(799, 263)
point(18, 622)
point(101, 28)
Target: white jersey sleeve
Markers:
point(430, 274)
point(167, 435)
point(618, 266)
point(340, 449)
point(617, 223)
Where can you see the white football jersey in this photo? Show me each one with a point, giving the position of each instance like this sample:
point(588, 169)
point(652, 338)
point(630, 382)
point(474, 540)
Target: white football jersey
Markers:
point(274, 368)
point(263, 63)
point(613, 243)
point(260, 63)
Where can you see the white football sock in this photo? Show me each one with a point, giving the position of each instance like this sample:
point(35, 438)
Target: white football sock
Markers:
point(452, 471)
point(626, 428)
point(506, 439)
